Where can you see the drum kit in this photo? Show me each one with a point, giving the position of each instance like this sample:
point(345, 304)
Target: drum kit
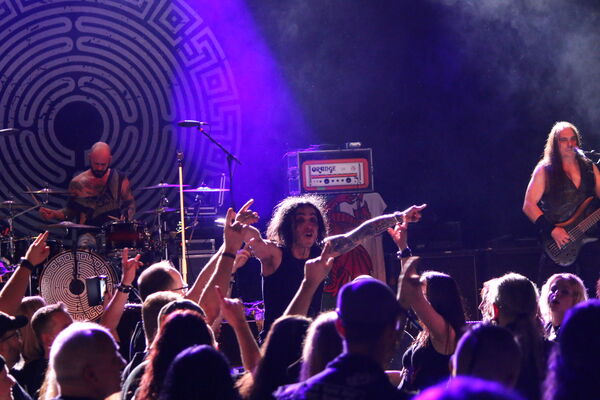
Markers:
point(67, 267)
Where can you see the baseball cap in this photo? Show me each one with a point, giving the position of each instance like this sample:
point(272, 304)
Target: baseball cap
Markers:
point(9, 323)
point(367, 300)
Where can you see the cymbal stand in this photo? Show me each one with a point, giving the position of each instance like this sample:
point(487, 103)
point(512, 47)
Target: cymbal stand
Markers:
point(164, 202)
point(183, 265)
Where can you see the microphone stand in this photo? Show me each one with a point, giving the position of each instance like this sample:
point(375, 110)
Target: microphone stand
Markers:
point(230, 159)
point(183, 265)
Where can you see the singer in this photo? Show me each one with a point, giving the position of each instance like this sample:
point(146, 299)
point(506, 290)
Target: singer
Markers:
point(560, 182)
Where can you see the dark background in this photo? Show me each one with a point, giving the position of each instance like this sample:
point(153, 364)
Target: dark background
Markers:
point(455, 98)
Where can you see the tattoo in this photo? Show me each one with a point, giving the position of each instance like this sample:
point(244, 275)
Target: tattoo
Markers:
point(368, 229)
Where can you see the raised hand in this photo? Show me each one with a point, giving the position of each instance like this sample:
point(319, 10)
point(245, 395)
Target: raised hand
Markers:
point(129, 266)
point(38, 251)
point(231, 309)
point(413, 213)
point(232, 232)
point(316, 269)
point(399, 234)
point(241, 258)
point(245, 215)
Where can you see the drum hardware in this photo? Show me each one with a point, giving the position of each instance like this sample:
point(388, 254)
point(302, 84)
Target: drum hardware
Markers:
point(8, 131)
point(160, 210)
point(69, 225)
point(121, 234)
point(47, 190)
point(206, 189)
point(163, 185)
point(13, 205)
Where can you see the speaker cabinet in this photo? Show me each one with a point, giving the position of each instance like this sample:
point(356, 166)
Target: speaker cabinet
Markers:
point(462, 266)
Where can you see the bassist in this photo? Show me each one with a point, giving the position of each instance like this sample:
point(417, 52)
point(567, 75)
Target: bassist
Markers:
point(560, 182)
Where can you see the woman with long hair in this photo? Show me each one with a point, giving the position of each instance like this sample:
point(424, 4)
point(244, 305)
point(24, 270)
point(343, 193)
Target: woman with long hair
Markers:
point(558, 295)
point(515, 307)
point(321, 346)
point(436, 300)
point(182, 329)
point(280, 352)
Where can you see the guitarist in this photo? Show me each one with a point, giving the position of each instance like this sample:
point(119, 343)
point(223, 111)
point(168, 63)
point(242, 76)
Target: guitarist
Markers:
point(560, 182)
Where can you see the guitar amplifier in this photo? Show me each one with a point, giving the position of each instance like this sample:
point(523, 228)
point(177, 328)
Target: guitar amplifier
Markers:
point(330, 171)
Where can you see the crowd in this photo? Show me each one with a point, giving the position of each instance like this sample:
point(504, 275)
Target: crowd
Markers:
point(528, 345)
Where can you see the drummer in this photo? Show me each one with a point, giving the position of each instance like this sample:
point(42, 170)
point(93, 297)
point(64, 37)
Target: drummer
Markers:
point(98, 195)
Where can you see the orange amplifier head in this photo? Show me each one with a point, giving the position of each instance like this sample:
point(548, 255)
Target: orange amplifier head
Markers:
point(330, 171)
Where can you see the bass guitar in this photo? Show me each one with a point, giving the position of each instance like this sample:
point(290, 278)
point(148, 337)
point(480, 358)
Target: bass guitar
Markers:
point(576, 227)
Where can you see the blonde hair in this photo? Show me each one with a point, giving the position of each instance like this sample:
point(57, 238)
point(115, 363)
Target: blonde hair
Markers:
point(32, 348)
point(575, 284)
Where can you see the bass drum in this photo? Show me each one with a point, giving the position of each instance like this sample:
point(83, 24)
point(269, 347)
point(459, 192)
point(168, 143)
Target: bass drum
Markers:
point(57, 282)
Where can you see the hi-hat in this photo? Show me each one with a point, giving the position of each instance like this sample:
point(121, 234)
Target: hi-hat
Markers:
point(69, 225)
point(13, 204)
point(159, 210)
point(205, 189)
point(163, 185)
point(47, 191)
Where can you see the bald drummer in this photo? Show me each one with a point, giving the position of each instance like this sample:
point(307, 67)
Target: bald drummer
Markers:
point(98, 195)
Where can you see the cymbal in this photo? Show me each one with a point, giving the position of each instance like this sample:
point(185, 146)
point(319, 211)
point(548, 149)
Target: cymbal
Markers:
point(13, 204)
point(47, 191)
point(163, 185)
point(69, 225)
point(205, 189)
point(160, 210)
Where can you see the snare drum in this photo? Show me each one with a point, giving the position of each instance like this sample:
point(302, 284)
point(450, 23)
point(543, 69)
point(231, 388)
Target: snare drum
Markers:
point(121, 234)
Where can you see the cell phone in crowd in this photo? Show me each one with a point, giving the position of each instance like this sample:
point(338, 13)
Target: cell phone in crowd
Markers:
point(96, 289)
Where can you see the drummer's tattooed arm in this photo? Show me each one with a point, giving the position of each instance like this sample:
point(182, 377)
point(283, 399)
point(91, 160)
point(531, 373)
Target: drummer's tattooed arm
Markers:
point(128, 206)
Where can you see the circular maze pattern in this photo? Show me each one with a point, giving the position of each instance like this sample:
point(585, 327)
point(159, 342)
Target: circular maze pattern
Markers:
point(124, 72)
point(57, 276)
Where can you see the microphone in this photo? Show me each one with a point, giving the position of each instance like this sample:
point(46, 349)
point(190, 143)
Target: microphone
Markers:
point(580, 152)
point(190, 123)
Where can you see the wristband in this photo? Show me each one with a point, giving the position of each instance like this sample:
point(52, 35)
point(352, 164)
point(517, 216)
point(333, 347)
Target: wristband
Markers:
point(227, 254)
point(124, 288)
point(27, 264)
point(404, 253)
point(544, 226)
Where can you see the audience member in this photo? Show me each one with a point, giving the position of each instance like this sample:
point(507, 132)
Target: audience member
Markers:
point(280, 353)
point(559, 294)
point(516, 308)
point(181, 330)
point(368, 315)
point(466, 388)
point(322, 345)
point(488, 352)
point(86, 363)
point(10, 347)
point(199, 372)
point(436, 300)
point(6, 381)
point(573, 372)
point(32, 349)
point(47, 323)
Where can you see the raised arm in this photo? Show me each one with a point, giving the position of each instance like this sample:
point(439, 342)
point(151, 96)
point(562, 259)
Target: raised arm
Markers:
point(315, 271)
point(128, 204)
point(233, 311)
point(410, 294)
point(232, 241)
point(114, 310)
point(12, 293)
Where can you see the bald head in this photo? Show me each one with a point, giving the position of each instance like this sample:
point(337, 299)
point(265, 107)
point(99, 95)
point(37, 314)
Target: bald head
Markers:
point(86, 362)
point(100, 158)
